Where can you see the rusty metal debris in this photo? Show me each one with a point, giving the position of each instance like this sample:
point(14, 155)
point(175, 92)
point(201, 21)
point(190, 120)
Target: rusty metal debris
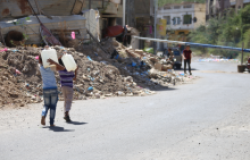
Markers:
point(31, 29)
point(47, 36)
point(21, 8)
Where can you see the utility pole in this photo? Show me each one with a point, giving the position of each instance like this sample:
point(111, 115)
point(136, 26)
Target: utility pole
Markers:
point(124, 13)
point(242, 52)
point(155, 21)
point(242, 32)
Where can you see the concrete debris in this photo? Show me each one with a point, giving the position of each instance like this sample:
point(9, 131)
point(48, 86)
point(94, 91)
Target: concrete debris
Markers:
point(131, 73)
point(14, 92)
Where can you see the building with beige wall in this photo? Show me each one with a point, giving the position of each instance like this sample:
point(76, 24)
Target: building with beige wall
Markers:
point(182, 18)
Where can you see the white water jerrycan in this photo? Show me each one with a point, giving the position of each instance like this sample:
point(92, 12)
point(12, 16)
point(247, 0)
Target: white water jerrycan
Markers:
point(69, 62)
point(49, 54)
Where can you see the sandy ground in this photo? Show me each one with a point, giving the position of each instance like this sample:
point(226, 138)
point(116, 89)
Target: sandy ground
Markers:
point(204, 120)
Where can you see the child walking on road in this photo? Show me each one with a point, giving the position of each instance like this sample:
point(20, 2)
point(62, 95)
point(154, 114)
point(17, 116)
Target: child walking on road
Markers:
point(66, 79)
point(50, 93)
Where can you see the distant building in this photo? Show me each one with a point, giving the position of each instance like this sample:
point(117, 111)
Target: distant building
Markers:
point(217, 8)
point(238, 4)
point(138, 16)
point(182, 18)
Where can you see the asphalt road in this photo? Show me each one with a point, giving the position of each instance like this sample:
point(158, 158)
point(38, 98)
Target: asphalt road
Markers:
point(205, 120)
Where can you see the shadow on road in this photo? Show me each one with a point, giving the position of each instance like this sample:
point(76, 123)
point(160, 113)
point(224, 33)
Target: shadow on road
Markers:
point(77, 123)
point(162, 88)
point(59, 129)
point(182, 69)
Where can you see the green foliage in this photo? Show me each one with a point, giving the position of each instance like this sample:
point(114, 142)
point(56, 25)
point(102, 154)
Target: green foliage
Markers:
point(27, 18)
point(164, 2)
point(149, 50)
point(247, 39)
point(225, 31)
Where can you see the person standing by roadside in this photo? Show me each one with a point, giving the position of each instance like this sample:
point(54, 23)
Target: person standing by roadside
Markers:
point(170, 53)
point(187, 56)
point(50, 92)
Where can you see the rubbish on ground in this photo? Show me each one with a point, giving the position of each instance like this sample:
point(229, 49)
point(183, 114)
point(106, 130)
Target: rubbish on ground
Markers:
point(89, 58)
point(90, 88)
point(18, 72)
point(5, 49)
point(73, 35)
point(98, 76)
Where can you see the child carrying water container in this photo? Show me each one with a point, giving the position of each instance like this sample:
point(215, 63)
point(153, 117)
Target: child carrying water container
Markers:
point(66, 79)
point(50, 92)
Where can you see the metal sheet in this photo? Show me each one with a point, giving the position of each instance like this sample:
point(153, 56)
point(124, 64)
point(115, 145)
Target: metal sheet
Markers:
point(31, 26)
point(11, 9)
point(14, 8)
point(78, 7)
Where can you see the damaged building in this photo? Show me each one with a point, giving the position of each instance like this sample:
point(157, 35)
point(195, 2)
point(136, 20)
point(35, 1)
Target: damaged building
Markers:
point(59, 15)
point(106, 67)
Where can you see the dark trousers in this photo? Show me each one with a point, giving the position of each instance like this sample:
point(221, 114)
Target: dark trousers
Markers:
point(187, 61)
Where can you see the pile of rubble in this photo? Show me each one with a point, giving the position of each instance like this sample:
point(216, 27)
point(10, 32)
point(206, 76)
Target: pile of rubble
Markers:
point(12, 91)
point(130, 73)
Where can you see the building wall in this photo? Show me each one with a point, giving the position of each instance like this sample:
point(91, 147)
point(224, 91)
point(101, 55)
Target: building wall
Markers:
point(179, 31)
point(197, 11)
point(21, 8)
point(138, 16)
point(217, 7)
point(130, 13)
point(142, 8)
point(180, 12)
point(200, 14)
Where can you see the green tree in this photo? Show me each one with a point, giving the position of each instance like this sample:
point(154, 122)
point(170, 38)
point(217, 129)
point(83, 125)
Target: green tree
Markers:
point(226, 31)
point(164, 2)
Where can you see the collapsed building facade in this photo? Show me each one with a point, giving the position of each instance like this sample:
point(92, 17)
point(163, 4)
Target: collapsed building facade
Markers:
point(58, 15)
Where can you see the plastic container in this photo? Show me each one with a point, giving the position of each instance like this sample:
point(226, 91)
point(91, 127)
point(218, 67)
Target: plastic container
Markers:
point(241, 68)
point(49, 54)
point(73, 35)
point(69, 62)
point(90, 88)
